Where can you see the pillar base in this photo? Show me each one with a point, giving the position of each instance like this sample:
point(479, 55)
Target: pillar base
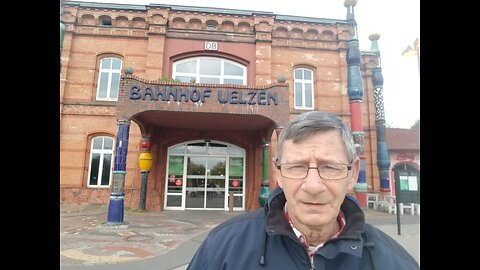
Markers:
point(116, 210)
point(362, 199)
point(385, 190)
point(264, 193)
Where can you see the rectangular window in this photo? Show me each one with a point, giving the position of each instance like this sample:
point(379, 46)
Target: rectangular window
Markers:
point(303, 89)
point(94, 166)
point(232, 81)
point(187, 67)
point(100, 162)
point(298, 74)
point(308, 95)
point(298, 94)
point(184, 78)
point(217, 149)
point(106, 63)
point(197, 148)
point(175, 175)
point(210, 67)
point(107, 161)
point(209, 80)
point(231, 69)
point(103, 85)
point(235, 182)
point(109, 79)
point(115, 85)
point(97, 143)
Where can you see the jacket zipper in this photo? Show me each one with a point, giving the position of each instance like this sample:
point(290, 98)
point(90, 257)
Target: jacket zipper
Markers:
point(309, 262)
point(295, 239)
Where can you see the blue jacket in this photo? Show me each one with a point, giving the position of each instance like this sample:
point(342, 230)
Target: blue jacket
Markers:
point(263, 239)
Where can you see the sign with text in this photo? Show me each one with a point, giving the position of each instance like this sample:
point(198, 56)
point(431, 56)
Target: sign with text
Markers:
point(403, 183)
point(236, 166)
point(175, 166)
point(167, 93)
point(211, 46)
point(406, 156)
point(412, 183)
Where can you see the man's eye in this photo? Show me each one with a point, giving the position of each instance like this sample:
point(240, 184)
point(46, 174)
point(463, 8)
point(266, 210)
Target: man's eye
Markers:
point(296, 168)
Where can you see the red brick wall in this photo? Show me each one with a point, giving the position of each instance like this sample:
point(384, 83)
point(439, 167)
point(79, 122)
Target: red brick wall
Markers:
point(149, 41)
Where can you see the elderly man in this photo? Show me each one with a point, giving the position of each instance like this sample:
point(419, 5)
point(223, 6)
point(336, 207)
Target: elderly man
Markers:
point(309, 221)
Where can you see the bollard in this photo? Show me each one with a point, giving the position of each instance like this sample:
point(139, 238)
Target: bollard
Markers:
point(230, 201)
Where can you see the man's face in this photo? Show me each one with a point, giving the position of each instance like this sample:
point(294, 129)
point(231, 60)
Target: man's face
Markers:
point(314, 202)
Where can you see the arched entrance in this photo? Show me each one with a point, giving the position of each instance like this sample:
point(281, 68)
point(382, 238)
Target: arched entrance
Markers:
point(200, 175)
point(407, 182)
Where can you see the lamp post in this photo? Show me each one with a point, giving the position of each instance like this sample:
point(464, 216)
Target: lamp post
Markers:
point(145, 161)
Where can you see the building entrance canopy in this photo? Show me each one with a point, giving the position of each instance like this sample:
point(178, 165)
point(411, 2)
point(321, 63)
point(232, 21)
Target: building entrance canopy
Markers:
point(203, 106)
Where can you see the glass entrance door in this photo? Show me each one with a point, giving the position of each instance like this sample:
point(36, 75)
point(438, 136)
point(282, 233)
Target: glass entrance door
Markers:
point(201, 175)
point(205, 187)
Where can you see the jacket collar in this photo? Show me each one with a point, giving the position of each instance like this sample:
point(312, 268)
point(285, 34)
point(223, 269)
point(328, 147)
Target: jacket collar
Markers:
point(276, 223)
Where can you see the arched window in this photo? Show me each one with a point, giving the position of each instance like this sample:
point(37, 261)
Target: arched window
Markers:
point(101, 157)
point(303, 89)
point(210, 70)
point(109, 79)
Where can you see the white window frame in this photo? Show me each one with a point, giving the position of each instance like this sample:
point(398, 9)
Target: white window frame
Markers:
point(303, 82)
point(102, 153)
point(221, 77)
point(110, 71)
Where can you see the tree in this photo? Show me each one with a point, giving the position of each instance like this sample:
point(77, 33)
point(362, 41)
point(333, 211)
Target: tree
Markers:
point(416, 125)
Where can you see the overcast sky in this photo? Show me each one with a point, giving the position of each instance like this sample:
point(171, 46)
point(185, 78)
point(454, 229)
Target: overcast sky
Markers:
point(397, 22)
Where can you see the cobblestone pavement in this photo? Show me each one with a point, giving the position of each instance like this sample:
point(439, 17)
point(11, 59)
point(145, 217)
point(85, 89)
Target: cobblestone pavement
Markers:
point(87, 239)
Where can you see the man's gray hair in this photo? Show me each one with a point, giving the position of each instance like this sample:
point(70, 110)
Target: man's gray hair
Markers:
point(310, 123)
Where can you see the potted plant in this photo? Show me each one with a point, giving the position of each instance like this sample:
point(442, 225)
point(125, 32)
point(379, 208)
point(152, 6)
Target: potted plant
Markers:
point(128, 70)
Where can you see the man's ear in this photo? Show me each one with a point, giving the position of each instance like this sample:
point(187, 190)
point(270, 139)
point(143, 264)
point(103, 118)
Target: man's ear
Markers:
point(355, 171)
point(277, 175)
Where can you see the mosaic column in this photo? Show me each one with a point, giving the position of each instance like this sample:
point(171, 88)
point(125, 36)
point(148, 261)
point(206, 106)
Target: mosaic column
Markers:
point(383, 157)
point(145, 161)
point(355, 94)
point(117, 197)
point(62, 33)
point(350, 4)
point(264, 190)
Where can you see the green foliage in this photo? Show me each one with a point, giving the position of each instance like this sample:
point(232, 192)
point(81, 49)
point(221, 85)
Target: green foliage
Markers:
point(128, 70)
point(416, 125)
point(167, 79)
point(389, 125)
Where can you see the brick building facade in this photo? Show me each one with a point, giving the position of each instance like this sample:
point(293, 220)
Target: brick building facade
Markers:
point(207, 89)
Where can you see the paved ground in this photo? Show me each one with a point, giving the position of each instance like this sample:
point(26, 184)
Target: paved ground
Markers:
point(167, 240)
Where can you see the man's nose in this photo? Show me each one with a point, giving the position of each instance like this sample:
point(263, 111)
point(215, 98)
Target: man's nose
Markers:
point(313, 182)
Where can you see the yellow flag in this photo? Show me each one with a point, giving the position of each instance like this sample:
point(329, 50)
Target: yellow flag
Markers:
point(412, 50)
